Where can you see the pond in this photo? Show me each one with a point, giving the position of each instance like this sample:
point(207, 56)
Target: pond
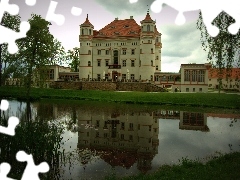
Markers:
point(91, 140)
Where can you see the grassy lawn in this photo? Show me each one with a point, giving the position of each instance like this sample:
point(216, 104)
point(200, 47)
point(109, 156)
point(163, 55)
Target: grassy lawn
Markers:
point(230, 101)
point(220, 168)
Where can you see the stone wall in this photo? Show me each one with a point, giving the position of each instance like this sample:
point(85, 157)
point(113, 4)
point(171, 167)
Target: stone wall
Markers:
point(66, 85)
point(107, 86)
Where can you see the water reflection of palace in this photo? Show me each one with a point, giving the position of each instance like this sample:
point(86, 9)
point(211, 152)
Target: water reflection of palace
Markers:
point(188, 120)
point(121, 139)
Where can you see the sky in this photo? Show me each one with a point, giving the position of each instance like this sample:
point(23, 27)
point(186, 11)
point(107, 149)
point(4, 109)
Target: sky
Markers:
point(180, 44)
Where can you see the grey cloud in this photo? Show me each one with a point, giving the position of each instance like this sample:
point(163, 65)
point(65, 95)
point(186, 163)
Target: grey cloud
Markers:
point(180, 41)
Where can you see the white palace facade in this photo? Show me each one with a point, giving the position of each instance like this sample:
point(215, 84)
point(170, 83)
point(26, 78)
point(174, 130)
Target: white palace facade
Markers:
point(121, 51)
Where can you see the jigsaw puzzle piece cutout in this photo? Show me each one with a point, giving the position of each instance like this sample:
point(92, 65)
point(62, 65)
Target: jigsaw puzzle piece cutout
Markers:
point(11, 36)
point(51, 16)
point(12, 9)
point(30, 2)
point(231, 7)
point(4, 170)
point(4, 105)
point(76, 11)
point(59, 19)
point(31, 171)
point(10, 130)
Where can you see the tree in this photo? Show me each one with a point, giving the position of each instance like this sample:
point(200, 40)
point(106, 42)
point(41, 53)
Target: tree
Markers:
point(37, 48)
point(74, 57)
point(222, 50)
point(8, 62)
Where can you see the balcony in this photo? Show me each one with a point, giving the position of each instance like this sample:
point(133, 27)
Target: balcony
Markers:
point(114, 66)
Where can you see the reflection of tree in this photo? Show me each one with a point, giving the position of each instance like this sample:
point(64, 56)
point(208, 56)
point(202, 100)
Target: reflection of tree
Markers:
point(34, 136)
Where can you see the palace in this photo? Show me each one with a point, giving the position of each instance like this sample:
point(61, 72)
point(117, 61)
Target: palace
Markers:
point(121, 51)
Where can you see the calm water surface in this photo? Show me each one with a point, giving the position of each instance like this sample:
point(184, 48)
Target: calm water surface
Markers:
point(100, 138)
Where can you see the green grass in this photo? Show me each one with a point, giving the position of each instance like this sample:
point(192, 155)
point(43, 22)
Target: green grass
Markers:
point(230, 101)
point(220, 168)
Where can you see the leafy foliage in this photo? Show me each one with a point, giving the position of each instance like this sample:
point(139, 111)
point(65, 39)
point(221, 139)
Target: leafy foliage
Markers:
point(223, 50)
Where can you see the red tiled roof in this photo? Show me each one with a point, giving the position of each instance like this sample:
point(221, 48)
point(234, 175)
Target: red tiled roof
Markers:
point(124, 28)
point(233, 73)
point(148, 18)
point(127, 27)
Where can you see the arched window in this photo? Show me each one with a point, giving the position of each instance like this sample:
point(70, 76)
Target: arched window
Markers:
point(89, 52)
point(89, 63)
point(148, 27)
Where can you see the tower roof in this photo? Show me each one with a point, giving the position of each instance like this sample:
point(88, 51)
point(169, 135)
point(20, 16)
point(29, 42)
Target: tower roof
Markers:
point(87, 22)
point(147, 18)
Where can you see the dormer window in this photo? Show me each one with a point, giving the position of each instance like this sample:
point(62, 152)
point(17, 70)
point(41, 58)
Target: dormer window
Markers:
point(132, 32)
point(126, 26)
point(112, 27)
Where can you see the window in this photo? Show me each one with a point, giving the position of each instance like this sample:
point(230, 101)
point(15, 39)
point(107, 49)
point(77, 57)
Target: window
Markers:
point(140, 63)
point(130, 126)
point(99, 63)
point(122, 125)
point(133, 51)
point(151, 50)
point(99, 52)
point(150, 128)
point(150, 140)
point(186, 75)
point(156, 67)
point(132, 77)
point(122, 136)
point(124, 52)
point(105, 135)
point(51, 74)
point(89, 52)
point(89, 63)
point(106, 62)
point(201, 76)
point(157, 58)
point(90, 32)
point(151, 62)
point(209, 79)
point(97, 123)
point(140, 51)
point(124, 76)
point(115, 56)
point(107, 52)
point(98, 77)
point(82, 31)
point(200, 89)
point(193, 89)
point(210, 85)
point(124, 63)
point(148, 27)
point(97, 134)
point(132, 63)
point(157, 39)
point(130, 137)
point(138, 126)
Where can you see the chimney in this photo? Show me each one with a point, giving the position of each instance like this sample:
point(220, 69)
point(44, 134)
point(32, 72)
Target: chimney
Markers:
point(116, 18)
point(131, 17)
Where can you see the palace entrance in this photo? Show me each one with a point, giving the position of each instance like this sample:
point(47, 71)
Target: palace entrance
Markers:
point(114, 75)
